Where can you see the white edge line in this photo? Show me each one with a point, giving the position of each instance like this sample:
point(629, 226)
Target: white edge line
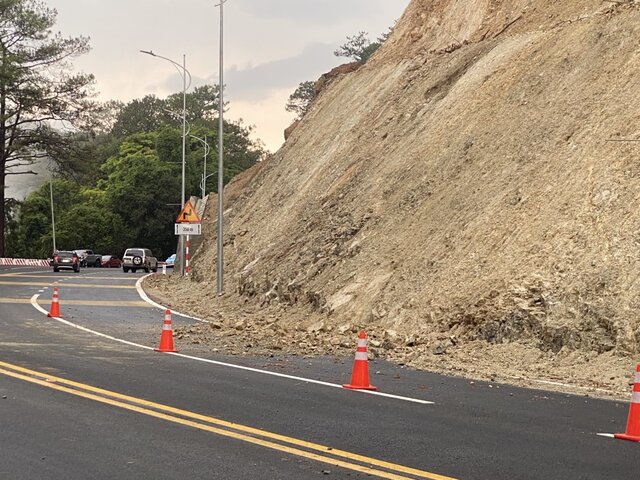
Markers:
point(608, 435)
point(560, 384)
point(144, 297)
point(34, 302)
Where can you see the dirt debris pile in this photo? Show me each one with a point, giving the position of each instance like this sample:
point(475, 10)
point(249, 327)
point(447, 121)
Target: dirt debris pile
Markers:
point(468, 196)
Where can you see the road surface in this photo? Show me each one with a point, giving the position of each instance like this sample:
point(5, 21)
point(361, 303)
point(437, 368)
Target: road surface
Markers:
point(85, 397)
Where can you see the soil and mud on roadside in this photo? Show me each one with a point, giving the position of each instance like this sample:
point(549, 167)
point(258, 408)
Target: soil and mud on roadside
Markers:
point(469, 197)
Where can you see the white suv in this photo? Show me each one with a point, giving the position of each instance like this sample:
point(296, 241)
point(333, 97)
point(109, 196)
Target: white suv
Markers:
point(135, 258)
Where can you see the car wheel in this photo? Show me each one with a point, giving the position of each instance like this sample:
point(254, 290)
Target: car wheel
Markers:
point(56, 269)
point(133, 270)
point(76, 269)
point(98, 264)
point(125, 269)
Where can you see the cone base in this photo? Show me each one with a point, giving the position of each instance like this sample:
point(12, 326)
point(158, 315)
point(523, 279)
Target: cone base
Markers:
point(356, 387)
point(165, 350)
point(53, 315)
point(624, 436)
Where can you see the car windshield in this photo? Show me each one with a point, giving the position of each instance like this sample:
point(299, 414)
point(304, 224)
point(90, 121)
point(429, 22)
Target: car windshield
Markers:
point(133, 252)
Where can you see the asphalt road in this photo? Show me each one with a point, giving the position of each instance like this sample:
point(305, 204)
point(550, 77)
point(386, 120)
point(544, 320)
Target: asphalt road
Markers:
point(86, 397)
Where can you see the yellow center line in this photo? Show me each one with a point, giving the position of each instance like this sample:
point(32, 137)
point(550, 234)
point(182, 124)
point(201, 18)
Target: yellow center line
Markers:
point(74, 285)
point(90, 303)
point(248, 434)
point(59, 277)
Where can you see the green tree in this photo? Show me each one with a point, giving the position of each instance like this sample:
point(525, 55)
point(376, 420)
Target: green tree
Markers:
point(37, 90)
point(144, 192)
point(300, 101)
point(141, 116)
point(93, 226)
point(31, 235)
point(202, 105)
point(81, 156)
point(152, 113)
point(359, 47)
point(115, 192)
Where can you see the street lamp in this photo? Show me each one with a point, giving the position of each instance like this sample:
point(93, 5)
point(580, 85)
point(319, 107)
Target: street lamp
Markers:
point(203, 182)
point(182, 70)
point(220, 260)
point(53, 221)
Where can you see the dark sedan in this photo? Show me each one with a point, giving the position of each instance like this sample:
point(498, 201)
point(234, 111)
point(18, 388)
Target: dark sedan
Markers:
point(110, 261)
point(64, 259)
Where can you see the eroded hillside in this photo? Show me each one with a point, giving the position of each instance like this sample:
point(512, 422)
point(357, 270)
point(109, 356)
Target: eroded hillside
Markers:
point(468, 196)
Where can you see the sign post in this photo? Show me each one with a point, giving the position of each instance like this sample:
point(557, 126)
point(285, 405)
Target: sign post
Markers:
point(188, 223)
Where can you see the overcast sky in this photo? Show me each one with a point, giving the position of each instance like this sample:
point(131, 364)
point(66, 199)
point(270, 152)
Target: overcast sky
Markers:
point(270, 46)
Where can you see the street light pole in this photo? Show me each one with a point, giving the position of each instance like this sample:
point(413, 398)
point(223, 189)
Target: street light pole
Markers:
point(184, 122)
point(220, 260)
point(53, 221)
point(205, 144)
point(204, 167)
point(182, 70)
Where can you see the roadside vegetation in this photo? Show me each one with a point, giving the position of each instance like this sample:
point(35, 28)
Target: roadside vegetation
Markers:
point(358, 48)
point(116, 168)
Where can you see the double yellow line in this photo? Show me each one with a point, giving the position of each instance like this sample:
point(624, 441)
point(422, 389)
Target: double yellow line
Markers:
point(74, 285)
point(263, 438)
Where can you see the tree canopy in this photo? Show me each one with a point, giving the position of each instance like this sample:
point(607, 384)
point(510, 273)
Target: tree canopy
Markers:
point(300, 101)
point(37, 90)
point(113, 190)
point(359, 47)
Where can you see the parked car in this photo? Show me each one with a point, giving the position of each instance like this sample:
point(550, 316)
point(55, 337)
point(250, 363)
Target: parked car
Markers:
point(171, 260)
point(66, 259)
point(93, 260)
point(142, 258)
point(82, 255)
point(110, 261)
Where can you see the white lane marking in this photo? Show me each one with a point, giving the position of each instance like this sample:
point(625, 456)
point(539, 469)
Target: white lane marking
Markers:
point(564, 385)
point(144, 297)
point(34, 302)
point(608, 435)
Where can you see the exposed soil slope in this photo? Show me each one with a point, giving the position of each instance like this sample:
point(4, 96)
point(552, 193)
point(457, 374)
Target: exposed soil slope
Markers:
point(460, 197)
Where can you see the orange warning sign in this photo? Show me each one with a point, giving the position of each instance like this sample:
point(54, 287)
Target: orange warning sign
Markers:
point(188, 214)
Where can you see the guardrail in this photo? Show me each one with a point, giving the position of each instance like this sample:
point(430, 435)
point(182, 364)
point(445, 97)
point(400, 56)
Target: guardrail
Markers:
point(27, 262)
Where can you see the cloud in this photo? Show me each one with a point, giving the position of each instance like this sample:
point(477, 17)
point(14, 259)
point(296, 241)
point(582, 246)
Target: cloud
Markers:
point(256, 83)
point(326, 12)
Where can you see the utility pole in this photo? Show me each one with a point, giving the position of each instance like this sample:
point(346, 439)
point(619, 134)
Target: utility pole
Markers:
point(220, 259)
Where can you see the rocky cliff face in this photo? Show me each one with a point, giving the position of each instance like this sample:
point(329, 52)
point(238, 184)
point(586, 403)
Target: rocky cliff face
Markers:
point(472, 191)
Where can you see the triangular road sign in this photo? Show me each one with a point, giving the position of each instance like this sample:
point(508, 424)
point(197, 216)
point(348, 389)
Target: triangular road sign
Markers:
point(188, 214)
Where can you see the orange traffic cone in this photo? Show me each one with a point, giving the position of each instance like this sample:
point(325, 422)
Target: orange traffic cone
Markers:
point(360, 372)
point(166, 339)
point(54, 311)
point(632, 432)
